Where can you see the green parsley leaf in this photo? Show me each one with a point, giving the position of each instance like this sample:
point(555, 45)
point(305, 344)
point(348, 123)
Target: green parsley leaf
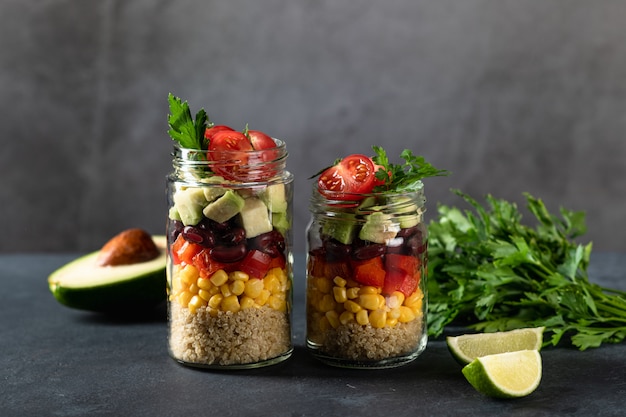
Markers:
point(183, 129)
point(403, 177)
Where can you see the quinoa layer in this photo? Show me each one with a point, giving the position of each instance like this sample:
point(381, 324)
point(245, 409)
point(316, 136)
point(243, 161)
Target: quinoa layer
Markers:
point(366, 343)
point(248, 336)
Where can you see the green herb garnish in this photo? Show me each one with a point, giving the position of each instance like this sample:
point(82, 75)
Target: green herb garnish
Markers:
point(183, 129)
point(403, 177)
point(493, 273)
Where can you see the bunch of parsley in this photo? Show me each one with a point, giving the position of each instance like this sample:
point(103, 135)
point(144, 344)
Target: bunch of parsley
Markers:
point(489, 271)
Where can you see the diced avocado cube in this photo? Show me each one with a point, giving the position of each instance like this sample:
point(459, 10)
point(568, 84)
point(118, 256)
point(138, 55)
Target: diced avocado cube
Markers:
point(212, 193)
point(340, 229)
point(189, 203)
point(255, 217)
point(281, 222)
point(274, 197)
point(225, 207)
point(173, 214)
point(406, 211)
point(379, 228)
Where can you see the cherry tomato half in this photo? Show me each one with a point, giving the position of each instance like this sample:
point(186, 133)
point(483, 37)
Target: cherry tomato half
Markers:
point(260, 140)
point(211, 131)
point(355, 174)
point(224, 145)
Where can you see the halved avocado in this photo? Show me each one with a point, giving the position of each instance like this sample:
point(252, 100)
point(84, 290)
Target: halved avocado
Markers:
point(84, 285)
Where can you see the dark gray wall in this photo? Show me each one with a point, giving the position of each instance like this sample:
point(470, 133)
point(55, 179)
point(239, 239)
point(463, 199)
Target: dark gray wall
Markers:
point(510, 95)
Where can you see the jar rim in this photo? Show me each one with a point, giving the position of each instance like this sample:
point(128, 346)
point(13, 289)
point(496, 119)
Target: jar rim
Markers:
point(253, 166)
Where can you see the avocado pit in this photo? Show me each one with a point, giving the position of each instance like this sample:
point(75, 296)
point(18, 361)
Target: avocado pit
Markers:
point(128, 247)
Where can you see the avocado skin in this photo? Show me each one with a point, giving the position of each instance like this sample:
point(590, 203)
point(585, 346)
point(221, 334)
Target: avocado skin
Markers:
point(140, 293)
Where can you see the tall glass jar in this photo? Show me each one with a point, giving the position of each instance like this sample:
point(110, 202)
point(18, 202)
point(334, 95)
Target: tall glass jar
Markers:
point(366, 279)
point(229, 258)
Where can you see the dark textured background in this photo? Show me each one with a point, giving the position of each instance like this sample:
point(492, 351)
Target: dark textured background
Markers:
point(510, 95)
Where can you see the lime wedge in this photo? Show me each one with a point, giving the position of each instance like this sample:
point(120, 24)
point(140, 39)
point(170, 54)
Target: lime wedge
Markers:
point(467, 347)
point(505, 375)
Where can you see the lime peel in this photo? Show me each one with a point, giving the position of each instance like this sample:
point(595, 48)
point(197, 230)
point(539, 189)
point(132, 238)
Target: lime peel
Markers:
point(466, 348)
point(505, 375)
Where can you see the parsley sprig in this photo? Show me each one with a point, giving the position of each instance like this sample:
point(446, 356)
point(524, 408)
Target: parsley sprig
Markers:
point(183, 129)
point(492, 272)
point(403, 177)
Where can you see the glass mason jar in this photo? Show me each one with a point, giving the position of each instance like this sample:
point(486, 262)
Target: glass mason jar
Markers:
point(366, 279)
point(229, 257)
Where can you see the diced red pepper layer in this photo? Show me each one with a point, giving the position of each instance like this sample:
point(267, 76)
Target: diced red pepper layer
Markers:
point(406, 263)
point(369, 272)
point(206, 265)
point(256, 263)
point(397, 272)
point(183, 251)
point(398, 280)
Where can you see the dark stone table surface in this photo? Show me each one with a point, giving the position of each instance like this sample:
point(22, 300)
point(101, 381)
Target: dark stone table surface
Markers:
point(56, 361)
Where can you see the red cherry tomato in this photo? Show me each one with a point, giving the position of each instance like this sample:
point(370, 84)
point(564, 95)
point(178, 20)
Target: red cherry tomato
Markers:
point(355, 174)
point(260, 140)
point(263, 142)
point(211, 131)
point(225, 145)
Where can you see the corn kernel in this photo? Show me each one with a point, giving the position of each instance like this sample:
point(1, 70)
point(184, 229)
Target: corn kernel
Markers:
point(362, 317)
point(283, 278)
point(189, 274)
point(213, 312)
point(340, 282)
point(340, 294)
point(395, 300)
point(406, 314)
point(391, 322)
point(378, 318)
point(225, 290)
point(246, 302)
point(346, 317)
point(193, 288)
point(368, 290)
point(263, 297)
point(184, 298)
point(382, 303)
point(253, 287)
point(333, 318)
point(327, 303)
point(368, 301)
point(204, 284)
point(277, 303)
point(219, 278)
point(352, 293)
point(230, 303)
point(323, 284)
point(272, 283)
point(195, 303)
point(394, 313)
point(413, 298)
point(216, 301)
point(204, 294)
point(237, 287)
point(238, 276)
point(351, 306)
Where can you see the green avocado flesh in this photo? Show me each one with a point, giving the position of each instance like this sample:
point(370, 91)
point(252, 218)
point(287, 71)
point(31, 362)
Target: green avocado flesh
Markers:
point(84, 285)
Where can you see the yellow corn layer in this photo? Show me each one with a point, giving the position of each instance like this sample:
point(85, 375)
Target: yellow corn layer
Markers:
point(338, 301)
point(233, 291)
